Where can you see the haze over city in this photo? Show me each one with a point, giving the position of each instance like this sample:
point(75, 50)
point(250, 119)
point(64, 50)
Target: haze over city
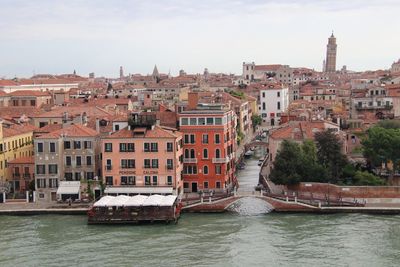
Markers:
point(99, 36)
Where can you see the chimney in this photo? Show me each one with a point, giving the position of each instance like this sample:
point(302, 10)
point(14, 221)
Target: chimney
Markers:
point(98, 125)
point(193, 100)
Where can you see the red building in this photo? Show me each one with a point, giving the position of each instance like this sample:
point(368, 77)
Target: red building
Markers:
point(209, 143)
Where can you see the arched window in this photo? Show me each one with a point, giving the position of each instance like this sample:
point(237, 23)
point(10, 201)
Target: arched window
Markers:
point(217, 153)
point(205, 169)
point(192, 154)
point(205, 153)
point(186, 153)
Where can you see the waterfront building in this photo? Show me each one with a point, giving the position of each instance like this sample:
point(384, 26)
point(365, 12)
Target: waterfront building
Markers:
point(144, 158)
point(209, 145)
point(21, 173)
point(67, 154)
point(274, 99)
point(15, 142)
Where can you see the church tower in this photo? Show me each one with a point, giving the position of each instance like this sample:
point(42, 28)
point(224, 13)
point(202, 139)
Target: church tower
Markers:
point(121, 72)
point(331, 49)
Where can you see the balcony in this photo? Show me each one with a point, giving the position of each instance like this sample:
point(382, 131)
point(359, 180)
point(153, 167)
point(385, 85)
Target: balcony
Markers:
point(190, 160)
point(220, 160)
point(16, 175)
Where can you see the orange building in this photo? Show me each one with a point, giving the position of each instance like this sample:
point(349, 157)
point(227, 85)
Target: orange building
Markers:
point(143, 159)
point(209, 144)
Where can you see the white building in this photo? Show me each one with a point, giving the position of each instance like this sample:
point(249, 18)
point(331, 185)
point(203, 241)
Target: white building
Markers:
point(274, 100)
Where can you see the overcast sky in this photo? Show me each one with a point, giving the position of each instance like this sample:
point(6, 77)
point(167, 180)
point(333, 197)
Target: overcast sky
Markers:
point(51, 36)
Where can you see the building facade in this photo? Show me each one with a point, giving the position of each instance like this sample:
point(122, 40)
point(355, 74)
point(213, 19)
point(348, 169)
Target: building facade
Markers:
point(209, 134)
point(274, 100)
point(143, 158)
point(69, 154)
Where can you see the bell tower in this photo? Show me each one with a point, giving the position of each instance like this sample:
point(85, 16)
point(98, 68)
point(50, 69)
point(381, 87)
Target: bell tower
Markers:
point(331, 50)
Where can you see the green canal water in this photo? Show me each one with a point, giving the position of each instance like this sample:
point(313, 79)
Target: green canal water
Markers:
point(204, 240)
point(246, 236)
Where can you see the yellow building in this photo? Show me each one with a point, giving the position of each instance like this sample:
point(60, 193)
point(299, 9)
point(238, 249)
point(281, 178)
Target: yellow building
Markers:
point(15, 142)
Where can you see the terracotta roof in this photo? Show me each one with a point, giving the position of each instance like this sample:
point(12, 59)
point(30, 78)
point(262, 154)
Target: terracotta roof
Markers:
point(299, 130)
point(29, 93)
point(157, 132)
point(75, 110)
point(273, 67)
point(49, 128)
point(2, 93)
point(17, 129)
point(23, 160)
point(74, 130)
point(14, 112)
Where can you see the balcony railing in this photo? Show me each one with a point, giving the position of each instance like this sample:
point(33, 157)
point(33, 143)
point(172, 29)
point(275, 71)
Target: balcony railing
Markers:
point(190, 160)
point(220, 160)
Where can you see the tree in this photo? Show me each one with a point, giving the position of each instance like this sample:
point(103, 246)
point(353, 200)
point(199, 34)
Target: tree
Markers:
point(329, 154)
point(383, 146)
point(294, 164)
point(287, 164)
point(366, 178)
point(256, 120)
point(389, 124)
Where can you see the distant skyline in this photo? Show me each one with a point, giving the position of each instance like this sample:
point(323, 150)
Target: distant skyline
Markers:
point(46, 36)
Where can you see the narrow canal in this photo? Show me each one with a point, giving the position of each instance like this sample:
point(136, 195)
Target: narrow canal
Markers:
point(246, 236)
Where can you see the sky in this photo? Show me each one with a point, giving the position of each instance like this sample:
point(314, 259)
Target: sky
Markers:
point(55, 36)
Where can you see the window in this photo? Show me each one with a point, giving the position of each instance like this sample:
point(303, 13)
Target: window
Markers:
point(126, 147)
point(87, 144)
point(263, 106)
point(210, 121)
point(217, 139)
point(117, 127)
point(170, 147)
point(205, 185)
point(205, 170)
point(155, 180)
point(278, 94)
point(192, 139)
point(218, 184)
point(193, 121)
point(41, 169)
point(52, 147)
point(218, 121)
point(218, 169)
point(147, 180)
point(77, 176)
point(108, 147)
point(68, 161)
point(67, 145)
point(53, 168)
point(201, 121)
point(184, 121)
point(78, 161)
point(127, 163)
point(33, 103)
point(53, 183)
point(77, 144)
point(109, 180)
point(192, 154)
point(40, 147)
point(263, 94)
point(89, 160)
point(154, 147)
point(68, 176)
point(170, 164)
point(154, 163)
point(218, 153)
point(89, 175)
point(108, 165)
point(190, 169)
point(41, 183)
point(169, 180)
point(147, 163)
point(205, 139)
point(278, 105)
point(128, 180)
point(205, 153)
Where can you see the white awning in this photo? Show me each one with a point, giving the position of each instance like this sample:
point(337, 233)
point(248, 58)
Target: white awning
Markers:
point(136, 201)
point(69, 188)
point(139, 190)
